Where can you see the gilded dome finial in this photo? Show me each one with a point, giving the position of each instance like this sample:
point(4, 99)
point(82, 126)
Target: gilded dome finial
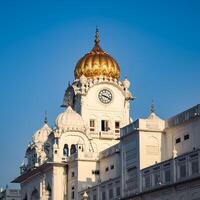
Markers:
point(97, 37)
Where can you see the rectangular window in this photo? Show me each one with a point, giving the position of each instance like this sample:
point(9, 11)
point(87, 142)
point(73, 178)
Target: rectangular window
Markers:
point(147, 181)
point(195, 167)
point(72, 174)
point(118, 191)
point(96, 172)
point(167, 175)
point(117, 127)
point(104, 125)
point(132, 177)
point(112, 167)
point(186, 137)
point(194, 163)
point(106, 169)
point(157, 180)
point(92, 125)
point(111, 193)
point(182, 170)
point(178, 140)
point(94, 197)
point(103, 195)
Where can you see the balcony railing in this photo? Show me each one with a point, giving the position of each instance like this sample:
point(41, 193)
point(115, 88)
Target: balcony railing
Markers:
point(187, 115)
point(182, 168)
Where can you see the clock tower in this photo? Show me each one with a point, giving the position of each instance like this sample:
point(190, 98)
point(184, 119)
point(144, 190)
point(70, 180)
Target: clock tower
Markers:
point(99, 96)
point(73, 156)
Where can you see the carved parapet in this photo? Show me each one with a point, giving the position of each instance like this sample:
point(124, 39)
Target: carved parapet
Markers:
point(83, 84)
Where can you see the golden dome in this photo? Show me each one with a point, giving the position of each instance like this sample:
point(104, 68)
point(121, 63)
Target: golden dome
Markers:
point(97, 63)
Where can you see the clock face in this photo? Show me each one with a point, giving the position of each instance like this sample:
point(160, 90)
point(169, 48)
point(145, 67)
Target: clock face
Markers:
point(105, 96)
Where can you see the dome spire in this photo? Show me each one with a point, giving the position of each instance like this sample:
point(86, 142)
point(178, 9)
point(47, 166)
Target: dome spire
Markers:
point(97, 48)
point(97, 37)
point(152, 107)
point(45, 117)
point(152, 111)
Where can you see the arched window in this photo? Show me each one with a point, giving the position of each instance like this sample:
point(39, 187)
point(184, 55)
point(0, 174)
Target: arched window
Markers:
point(65, 150)
point(73, 193)
point(35, 195)
point(73, 149)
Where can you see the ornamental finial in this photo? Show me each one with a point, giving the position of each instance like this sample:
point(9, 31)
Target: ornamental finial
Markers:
point(97, 36)
point(45, 117)
point(152, 107)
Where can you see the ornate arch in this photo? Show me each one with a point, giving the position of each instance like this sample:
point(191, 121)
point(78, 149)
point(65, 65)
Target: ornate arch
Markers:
point(76, 138)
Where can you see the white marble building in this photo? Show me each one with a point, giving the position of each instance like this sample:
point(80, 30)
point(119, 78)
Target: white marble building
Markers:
point(10, 194)
point(65, 160)
point(161, 159)
point(96, 152)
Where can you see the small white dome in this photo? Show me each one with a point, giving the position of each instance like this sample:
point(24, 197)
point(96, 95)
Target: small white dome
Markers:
point(42, 134)
point(83, 79)
point(70, 120)
point(126, 83)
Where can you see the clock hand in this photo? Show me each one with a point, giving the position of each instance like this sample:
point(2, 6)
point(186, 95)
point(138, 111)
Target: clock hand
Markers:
point(106, 97)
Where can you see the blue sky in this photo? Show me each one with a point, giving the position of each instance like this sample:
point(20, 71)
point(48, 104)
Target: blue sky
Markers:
point(156, 43)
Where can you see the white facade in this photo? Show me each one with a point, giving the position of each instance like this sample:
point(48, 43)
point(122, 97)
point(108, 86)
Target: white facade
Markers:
point(161, 159)
point(10, 194)
point(88, 155)
point(75, 155)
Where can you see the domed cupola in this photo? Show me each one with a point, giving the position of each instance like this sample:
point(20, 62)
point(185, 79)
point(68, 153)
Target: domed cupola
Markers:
point(42, 134)
point(97, 63)
point(70, 120)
